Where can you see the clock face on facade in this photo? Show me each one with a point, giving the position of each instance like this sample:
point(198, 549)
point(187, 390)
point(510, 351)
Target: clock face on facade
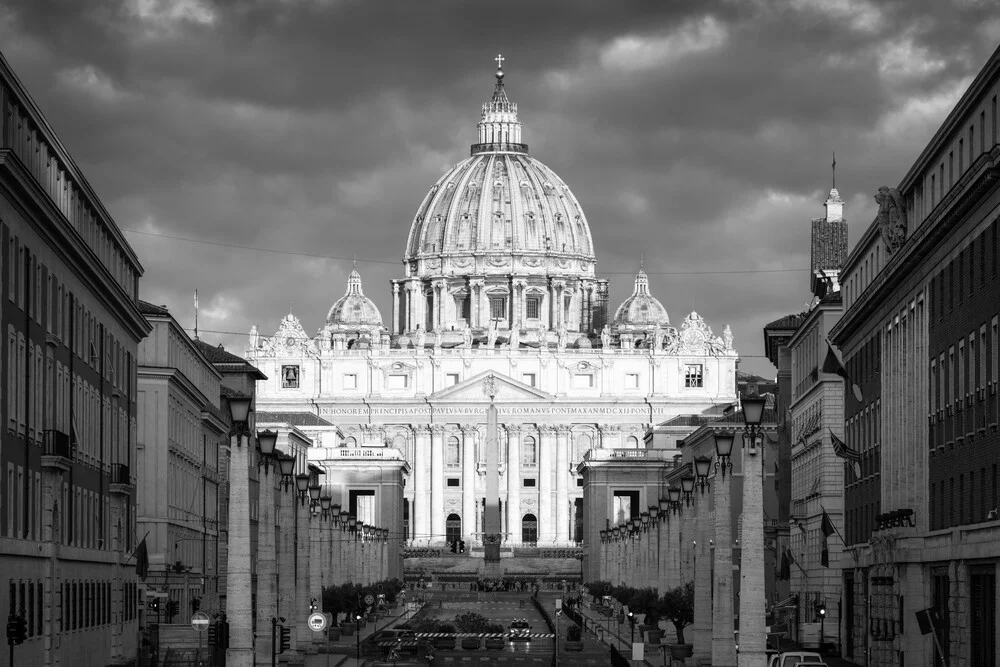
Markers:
point(289, 341)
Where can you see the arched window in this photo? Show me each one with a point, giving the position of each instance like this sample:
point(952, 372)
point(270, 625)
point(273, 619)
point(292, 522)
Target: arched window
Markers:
point(581, 447)
point(399, 443)
point(453, 528)
point(529, 529)
point(632, 442)
point(350, 441)
point(452, 453)
point(529, 452)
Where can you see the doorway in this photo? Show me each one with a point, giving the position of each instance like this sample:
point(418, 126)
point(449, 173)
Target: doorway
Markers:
point(453, 528)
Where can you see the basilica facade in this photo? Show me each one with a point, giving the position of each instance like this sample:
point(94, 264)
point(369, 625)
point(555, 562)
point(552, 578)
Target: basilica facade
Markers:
point(499, 282)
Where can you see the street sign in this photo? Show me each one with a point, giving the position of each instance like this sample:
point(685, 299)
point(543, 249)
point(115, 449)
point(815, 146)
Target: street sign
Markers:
point(317, 622)
point(200, 621)
point(369, 599)
point(558, 603)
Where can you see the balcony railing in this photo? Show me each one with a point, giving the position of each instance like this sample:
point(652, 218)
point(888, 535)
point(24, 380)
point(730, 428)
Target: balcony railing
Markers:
point(617, 454)
point(56, 443)
point(120, 474)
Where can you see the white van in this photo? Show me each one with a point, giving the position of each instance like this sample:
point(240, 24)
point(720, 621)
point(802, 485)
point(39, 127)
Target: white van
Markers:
point(795, 658)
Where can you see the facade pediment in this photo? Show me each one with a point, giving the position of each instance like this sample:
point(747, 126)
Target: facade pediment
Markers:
point(507, 390)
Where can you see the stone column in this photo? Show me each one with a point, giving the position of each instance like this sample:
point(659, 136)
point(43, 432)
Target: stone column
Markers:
point(723, 650)
point(477, 306)
point(395, 308)
point(562, 478)
point(702, 627)
point(514, 483)
point(267, 585)
point(420, 509)
point(437, 484)
point(469, 507)
point(316, 578)
point(288, 607)
point(303, 635)
point(546, 463)
point(752, 596)
point(673, 550)
point(436, 294)
point(239, 583)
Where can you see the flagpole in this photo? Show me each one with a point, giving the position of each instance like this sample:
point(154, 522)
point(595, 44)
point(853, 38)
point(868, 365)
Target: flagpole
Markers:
point(136, 548)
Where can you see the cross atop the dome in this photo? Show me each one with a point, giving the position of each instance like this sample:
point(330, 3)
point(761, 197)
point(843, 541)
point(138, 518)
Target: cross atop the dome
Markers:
point(499, 60)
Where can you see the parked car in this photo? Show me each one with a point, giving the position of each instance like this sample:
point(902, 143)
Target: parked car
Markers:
point(796, 658)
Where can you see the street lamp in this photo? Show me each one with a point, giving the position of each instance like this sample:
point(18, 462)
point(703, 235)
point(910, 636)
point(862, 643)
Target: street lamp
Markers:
point(325, 503)
point(286, 465)
point(752, 576)
point(702, 466)
point(314, 490)
point(674, 493)
point(266, 440)
point(723, 647)
point(302, 486)
point(687, 486)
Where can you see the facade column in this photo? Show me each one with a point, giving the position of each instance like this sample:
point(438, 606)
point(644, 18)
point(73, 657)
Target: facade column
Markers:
point(239, 583)
point(546, 463)
point(303, 635)
point(286, 584)
point(267, 585)
point(674, 527)
point(395, 307)
point(723, 650)
point(562, 478)
point(420, 513)
point(476, 307)
point(469, 506)
point(316, 574)
point(752, 595)
point(702, 626)
point(436, 290)
point(437, 484)
point(514, 483)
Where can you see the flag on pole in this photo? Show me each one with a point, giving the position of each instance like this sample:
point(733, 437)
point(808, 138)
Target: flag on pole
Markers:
point(827, 526)
point(142, 560)
point(832, 364)
point(824, 556)
point(786, 567)
point(841, 449)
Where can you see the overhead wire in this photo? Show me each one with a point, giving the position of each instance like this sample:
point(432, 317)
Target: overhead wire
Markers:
point(396, 262)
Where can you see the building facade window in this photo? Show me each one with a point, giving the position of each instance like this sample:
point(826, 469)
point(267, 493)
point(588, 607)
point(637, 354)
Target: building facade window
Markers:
point(498, 307)
point(693, 375)
point(453, 452)
point(631, 380)
point(528, 379)
point(529, 529)
point(451, 379)
point(532, 307)
point(398, 381)
point(529, 452)
point(350, 381)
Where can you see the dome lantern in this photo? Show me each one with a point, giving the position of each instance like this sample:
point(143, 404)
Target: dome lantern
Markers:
point(499, 128)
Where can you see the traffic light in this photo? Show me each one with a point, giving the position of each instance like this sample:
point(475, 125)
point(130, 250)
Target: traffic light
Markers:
point(173, 608)
point(195, 604)
point(12, 630)
point(820, 610)
point(21, 628)
point(454, 547)
point(213, 634)
point(224, 634)
point(461, 546)
point(312, 605)
point(154, 605)
point(286, 639)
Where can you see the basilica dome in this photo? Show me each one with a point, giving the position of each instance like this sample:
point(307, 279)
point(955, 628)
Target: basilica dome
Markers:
point(500, 211)
point(354, 309)
point(642, 310)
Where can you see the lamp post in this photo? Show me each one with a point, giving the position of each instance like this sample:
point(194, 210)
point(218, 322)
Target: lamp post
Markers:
point(316, 570)
point(702, 630)
point(723, 647)
point(239, 582)
point(304, 589)
point(267, 571)
point(752, 597)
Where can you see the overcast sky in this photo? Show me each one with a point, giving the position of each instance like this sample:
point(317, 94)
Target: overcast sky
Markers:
point(698, 134)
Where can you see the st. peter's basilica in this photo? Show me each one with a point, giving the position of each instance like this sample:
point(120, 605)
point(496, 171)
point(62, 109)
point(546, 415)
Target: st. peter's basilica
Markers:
point(499, 279)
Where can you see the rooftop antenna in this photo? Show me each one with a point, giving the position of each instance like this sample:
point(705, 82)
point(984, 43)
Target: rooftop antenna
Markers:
point(196, 315)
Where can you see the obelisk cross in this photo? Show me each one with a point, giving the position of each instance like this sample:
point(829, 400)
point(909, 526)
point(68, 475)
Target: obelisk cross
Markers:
point(491, 524)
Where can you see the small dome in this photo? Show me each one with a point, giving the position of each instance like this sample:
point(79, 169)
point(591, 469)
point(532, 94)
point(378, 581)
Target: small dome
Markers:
point(354, 308)
point(583, 343)
point(641, 310)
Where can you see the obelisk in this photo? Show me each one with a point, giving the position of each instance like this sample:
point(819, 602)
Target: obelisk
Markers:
point(491, 522)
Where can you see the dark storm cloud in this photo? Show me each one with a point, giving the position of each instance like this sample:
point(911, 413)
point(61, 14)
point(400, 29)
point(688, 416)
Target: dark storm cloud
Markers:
point(696, 134)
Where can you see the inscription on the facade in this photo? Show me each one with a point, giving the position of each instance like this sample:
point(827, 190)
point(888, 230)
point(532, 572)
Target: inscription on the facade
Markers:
point(547, 410)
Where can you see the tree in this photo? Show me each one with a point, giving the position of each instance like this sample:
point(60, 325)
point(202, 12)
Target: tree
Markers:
point(473, 622)
point(677, 605)
point(645, 601)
